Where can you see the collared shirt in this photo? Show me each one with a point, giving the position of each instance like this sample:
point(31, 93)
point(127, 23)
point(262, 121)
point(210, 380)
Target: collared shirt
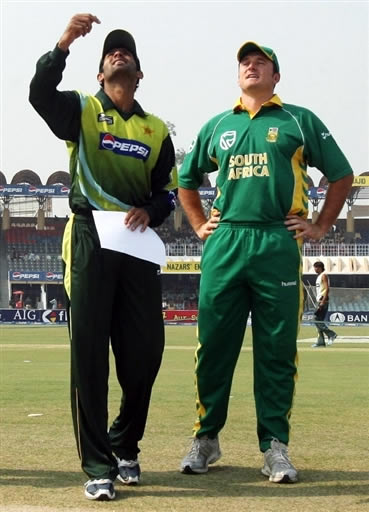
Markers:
point(102, 177)
point(274, 100)
point(262, 159)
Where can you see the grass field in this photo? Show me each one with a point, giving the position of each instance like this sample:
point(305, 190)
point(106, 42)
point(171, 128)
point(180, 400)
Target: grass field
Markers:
point(40, 470)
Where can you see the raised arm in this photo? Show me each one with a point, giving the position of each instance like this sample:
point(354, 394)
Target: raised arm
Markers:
point(59, 109)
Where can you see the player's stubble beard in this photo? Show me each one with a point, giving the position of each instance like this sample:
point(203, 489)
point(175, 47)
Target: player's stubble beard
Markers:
point(126, 72)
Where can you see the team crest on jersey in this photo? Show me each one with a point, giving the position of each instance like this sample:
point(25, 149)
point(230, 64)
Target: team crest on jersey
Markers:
point(272, 135)
point(227, 139)
point(103, 118)
point(147, 130)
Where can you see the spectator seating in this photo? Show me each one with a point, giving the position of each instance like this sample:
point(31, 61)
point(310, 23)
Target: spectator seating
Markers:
point(33, 250)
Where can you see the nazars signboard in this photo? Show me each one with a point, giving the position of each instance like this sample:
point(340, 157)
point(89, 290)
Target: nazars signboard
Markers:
point(181, 267)
point(361, 181)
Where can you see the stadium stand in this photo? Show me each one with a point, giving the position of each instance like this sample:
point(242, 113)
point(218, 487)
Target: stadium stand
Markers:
point(181, 291)
point(32, 250)
point(40, 250)
point(26, 249)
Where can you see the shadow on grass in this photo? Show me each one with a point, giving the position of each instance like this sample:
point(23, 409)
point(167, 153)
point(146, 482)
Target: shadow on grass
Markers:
point(229, 481)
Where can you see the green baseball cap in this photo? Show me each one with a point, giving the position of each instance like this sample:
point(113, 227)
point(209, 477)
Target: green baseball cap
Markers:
point(250, 46)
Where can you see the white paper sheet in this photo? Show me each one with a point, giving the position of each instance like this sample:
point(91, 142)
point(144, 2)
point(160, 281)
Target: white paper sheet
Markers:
point(115, 235)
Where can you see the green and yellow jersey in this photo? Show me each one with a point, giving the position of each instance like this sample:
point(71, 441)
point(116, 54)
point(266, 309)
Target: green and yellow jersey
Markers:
point(113, 160)
point(262, 160)
point(117, 159)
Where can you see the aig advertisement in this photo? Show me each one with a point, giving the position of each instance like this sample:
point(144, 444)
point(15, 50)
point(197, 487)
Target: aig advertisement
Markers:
point(33, 316)
point(59, 316)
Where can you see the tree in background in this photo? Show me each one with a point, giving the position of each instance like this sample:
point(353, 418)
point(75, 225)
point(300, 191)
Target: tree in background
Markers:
point(180, 153)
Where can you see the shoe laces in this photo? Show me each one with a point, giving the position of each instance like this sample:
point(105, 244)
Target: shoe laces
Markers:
point(122, 463)
point(195, 447)
point(200, 444)
point(279, 452)
point(98, 481)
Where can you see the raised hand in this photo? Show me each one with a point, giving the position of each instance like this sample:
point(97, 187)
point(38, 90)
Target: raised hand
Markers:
point(79, 25)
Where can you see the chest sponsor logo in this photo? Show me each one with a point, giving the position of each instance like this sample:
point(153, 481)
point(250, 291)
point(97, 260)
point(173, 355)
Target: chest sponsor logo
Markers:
point(103, 118)
point(272, 135)
point(124, 147)
point(227, 139)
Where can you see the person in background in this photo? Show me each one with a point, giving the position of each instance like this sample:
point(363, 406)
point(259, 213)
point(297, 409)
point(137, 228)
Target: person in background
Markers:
point(251, 261)
point(53, 303)
point(322, 302)
point(121, 159)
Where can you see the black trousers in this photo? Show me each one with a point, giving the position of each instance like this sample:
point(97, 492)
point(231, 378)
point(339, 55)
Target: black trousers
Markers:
point(110, 297)
point(322, 327)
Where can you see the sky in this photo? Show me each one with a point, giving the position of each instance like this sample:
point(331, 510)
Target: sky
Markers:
point(188, 55)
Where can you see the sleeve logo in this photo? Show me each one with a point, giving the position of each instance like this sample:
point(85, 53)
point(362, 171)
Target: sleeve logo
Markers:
point(192, 145)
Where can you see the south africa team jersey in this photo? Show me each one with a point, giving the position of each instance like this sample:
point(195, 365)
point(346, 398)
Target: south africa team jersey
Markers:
point(262, 161)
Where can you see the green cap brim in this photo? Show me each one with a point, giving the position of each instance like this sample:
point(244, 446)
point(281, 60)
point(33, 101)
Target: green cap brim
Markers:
point(251, 46)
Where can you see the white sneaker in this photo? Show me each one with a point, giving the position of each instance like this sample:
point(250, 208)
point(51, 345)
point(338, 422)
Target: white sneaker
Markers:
point(203, 451)
point(331, 339)
point(277, 465)
point(129, 471)
point(100, 489)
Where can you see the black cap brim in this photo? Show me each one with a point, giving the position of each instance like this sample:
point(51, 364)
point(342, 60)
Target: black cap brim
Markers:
point(120, 39)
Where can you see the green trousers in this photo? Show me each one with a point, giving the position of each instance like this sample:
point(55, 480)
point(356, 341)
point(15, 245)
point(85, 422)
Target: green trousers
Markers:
point(257, 269)
point(111, 297)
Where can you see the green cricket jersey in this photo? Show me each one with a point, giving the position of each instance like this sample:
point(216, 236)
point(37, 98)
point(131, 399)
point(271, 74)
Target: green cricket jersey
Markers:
point(262, 160)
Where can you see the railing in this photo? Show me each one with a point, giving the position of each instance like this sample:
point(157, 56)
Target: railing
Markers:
point(308, 249)
point(178, 249)
point(323, 249)
point(191, 250)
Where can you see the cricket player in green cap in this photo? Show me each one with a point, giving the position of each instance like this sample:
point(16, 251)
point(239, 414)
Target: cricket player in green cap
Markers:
point(251, 262)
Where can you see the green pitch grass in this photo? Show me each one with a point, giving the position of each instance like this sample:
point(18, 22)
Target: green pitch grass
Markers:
point(40, 470)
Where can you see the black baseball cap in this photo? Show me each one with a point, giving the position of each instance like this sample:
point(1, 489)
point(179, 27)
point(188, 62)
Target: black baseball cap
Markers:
point(119, 39)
